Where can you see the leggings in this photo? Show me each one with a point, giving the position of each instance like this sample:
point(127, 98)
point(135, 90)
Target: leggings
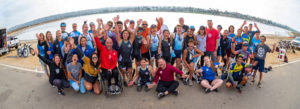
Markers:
point(107, 75)
point(61, 83)
point(169, 86)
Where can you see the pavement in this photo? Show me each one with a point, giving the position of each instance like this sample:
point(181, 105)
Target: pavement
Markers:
point(29, 90)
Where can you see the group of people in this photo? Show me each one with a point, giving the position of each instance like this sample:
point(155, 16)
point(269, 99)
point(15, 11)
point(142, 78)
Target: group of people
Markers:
point(151, 56)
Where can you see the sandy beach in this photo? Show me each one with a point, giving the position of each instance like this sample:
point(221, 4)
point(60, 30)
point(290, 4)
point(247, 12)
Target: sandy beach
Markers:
point(32, 62)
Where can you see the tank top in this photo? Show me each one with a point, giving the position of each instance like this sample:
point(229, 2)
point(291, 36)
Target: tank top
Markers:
point(125, 51)
point(154, 46)
point(165, 48)
point(137, 45)
point(178, 42)
point(187, 38)
point(190, 54)
point(144, 74)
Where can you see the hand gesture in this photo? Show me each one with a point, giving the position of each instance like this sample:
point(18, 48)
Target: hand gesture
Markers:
point(130, 83)
point(106, 27)
point(255, 25)
point(71, 41)
point(116, 19)
point(139, 21)
point(184, 76)
point(37, 36)
point(151, 86)
point(245, 22)
point(35, 51)
point(100, 21)
point(126, 21)
point(144, 41)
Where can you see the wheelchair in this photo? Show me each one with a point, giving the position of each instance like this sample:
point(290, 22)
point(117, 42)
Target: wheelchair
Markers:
point(104, 82)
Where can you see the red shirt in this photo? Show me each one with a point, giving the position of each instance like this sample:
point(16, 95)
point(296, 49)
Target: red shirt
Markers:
point(108, 58)
point(212, 37)
point(166, 74)
point(143, 47)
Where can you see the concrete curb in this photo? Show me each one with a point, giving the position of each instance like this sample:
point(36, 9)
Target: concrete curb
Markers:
point(20, 68)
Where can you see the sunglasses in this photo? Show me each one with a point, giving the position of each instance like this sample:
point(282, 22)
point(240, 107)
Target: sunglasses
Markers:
point(94, 57)
point(140, 31)
point(145, 24)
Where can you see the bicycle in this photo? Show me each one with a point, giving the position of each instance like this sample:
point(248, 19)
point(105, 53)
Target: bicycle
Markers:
point(25, 51)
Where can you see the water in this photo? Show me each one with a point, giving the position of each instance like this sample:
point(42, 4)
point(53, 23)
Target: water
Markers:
point(170, 19)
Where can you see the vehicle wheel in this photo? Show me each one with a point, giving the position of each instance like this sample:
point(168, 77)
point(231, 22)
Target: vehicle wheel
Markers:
point(19, 52)
point(26, 52)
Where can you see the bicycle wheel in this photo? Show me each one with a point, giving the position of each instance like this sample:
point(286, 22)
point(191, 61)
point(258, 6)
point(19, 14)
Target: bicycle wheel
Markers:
point(26, 52)
point(19, 52)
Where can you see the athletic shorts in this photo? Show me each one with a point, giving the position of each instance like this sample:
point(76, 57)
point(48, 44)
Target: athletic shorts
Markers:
point(237, 78)
point(167, 58)
point(154, 54)
point(219, 51)
point(177, 53)
point(260, 65)
point(209, 81)
point(125, 64)
point(146, 55)
point(137, 57)
point(228, 52)
point(89, 78)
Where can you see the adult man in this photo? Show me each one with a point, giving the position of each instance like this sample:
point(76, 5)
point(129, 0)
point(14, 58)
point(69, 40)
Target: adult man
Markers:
point(260, 56)
point(181, 23)
point(64, 34)
point(166, 83)
point(58, 44)
point(75, 33)
point(212, 41)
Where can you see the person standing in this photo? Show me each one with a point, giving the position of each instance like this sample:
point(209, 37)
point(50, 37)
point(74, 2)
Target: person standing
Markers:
point(212, 41)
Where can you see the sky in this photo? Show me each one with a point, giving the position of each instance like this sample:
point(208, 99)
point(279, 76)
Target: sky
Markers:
point(14, 12)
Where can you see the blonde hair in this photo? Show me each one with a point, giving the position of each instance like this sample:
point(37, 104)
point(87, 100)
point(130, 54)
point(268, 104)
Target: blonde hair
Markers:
point(51, 38)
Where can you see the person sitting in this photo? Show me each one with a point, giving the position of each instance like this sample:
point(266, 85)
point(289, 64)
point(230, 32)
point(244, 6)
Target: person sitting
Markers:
point(166, 84)
point(238, 74)
point(143, 75)
point(209, 71)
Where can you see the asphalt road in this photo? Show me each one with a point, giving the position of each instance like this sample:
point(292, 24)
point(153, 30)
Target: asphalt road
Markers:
point(27, 90)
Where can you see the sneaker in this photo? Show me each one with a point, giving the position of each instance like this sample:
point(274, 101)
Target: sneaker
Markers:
point(207, 90)
point(184, 82)
point(253, 81)
point(176, 92)
point(160, 95)
point(146, 89)
point(139, 88)
point(60, 92)
point(117, 89)
point(238, 87)
point(259, 85)
point(216, 90)
point(91, 91)
point(111, 90)
point(125, 84)
point(190, 82)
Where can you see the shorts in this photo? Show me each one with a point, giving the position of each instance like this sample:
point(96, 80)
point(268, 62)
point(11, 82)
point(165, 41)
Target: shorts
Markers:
point(154, 54)
point(228, 52)
point(177, 53)
point(89, 78)
point(125, 64)
point(209, 81)
point(144, 82)
point(260, 65)
point(167, 58)
point(146, 55)
point(137, 57)
point(194, 60)
point(237, 78)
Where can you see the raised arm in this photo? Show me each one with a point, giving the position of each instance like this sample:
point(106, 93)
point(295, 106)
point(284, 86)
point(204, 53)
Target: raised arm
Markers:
point(119, 40)
point(125, 24)
point(245, 22)
point(45, 60)
point(100, 24)
point(255, 25)
point(135, 31)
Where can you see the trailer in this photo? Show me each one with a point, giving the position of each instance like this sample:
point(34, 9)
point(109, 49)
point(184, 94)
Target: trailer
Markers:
point(3, 43)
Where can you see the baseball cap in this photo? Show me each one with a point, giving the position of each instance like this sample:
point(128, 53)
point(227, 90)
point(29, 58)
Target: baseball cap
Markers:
point(92, 23)
point(63, 24)
point(202, 27)
point(131, 21)
point(192, 27)
point(153, 26)
point(220, 26)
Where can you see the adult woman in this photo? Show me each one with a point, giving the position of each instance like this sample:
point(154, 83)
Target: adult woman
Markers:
point(201, 42)
point(50, 42)
point(89, 36)
point(209, 73)
point(91, 67)
point(166, 46)
point(84, 48)
point(74, 74)
point(155, 44)
point(178, 41)
point(57, 75)
point(125, 44)
point(42, 49)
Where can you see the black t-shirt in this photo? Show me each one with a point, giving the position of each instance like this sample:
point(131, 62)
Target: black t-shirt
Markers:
point(184, 29)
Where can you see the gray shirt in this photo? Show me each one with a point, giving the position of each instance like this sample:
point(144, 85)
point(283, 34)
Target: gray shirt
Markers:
point(202, 43)
point(261, 51)
point(74, 70)
point(244, 53)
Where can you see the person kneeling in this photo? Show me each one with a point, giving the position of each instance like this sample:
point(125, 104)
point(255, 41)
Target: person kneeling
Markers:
point(238, 74)
point(166, 84)
point(143, 75)
point(209, 71)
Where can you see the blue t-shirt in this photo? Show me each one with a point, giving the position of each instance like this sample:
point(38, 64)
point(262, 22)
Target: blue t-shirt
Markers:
point(239, 42)
point(208, 73)
point(51, 50)
point(41, 48)
point(246, 37)
point(230, 36)
point(255, 42)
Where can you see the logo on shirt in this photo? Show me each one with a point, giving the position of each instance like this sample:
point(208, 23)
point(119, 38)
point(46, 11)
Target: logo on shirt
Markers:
point(209, 35)
point(129, 46)
point(160, 72)
point(57, 71)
